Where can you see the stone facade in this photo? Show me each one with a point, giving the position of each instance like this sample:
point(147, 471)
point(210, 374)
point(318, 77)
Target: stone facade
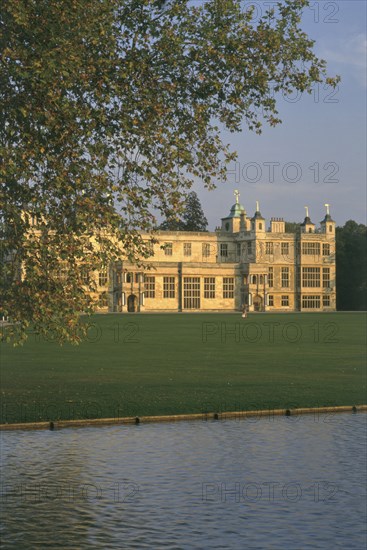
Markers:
point(241, 263)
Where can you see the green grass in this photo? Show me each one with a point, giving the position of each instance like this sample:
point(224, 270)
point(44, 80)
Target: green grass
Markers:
point(152, 364)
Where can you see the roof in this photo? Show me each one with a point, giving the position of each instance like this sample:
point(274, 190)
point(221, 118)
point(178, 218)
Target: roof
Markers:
point(307, 221)
point(236, 211)
point(327, 219)
point(258, 216)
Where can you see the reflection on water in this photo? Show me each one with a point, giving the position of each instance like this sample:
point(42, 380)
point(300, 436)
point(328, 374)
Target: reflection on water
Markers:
point(270, 483)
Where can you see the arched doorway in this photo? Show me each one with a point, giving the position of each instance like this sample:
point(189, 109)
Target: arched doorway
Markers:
point(132, 303)
point(258, 302)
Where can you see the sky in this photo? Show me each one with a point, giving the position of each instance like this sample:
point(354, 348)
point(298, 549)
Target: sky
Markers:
point(318, 154)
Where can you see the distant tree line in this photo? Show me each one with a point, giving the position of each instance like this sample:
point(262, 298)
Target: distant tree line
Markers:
point(351, 266)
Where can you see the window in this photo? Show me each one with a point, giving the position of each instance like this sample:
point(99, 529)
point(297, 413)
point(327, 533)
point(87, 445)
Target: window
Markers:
point(326, 301)
point(260, 225)
point(285, 277)
point(137, 276)
point(103, 300)
point(224, 250)
point(238, 245)
point(311, 302)
point(330, 228)
point(228, 287)
point(168, 249)
point(102, 277)
point(326, 249)
point(191, 292)
point(285, 249)
point(311, 277)
point(150, 248)
point(285, 301)
point(206, 250)
point(249, 248)
point(254, 279)
point(271, 277)
point(209, 287)
point(149, 287)
point(326, 277)
point(168, 287)
point(187, 249)
point(311, 249)
point(269, 248)
point(129, 277)
point(270, 300)
point(85, 276)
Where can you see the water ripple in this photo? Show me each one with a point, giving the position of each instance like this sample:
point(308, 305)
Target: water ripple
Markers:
point(272, 483)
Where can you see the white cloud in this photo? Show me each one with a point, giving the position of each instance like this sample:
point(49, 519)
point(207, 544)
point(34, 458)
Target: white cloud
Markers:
point(351, 52)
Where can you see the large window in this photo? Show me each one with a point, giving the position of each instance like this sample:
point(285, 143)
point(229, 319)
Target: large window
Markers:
point(311, 277)
point(285, 277)
point(326, 277)
point(326, 249)
point(269, 248)
point(149, 287)
point(285, 249)
point(168, 249)
point(150, 248)
point(271, 277)
point(311, 249)
point(228, 287)
point(311, 302)
point(285, 301)
point(209, 287)
point(206, 250)
point(224, 250)
point(168, 287)
point(102, 277)
point(326, 301)
point(103, 299)
point(187, 249)
point(191, 292)
point(85, 275)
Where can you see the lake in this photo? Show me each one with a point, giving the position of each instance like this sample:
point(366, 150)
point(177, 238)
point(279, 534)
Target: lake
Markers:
point(255, 483)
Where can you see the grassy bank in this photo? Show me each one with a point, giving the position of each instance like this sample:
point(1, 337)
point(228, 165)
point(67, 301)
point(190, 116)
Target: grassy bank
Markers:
point(156, 364)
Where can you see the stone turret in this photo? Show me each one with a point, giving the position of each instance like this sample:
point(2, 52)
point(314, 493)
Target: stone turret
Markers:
point(257, 221)
point(307, 226)
point(328, 224)
point(236, 220)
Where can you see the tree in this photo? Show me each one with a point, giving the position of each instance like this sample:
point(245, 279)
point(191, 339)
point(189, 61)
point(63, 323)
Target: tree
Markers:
point(193, 217)
point(351, 266)
point(110, 110)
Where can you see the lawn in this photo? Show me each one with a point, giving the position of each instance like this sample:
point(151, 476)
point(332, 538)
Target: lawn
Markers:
point(163, 364)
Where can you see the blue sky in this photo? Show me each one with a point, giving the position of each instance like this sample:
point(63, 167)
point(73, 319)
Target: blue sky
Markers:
point(318, 154)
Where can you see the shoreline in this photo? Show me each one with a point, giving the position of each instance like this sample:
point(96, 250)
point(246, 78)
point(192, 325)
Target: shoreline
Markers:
point(96, 422)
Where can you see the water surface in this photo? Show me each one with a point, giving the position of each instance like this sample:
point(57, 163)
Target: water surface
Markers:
point(269, 483)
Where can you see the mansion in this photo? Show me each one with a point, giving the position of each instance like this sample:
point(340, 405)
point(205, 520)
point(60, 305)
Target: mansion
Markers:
point(243, 262)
